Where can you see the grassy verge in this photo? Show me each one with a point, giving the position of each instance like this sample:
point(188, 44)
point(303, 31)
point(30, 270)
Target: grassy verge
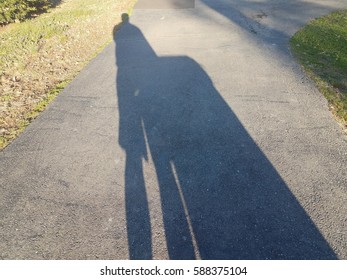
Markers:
point(321, 47)
point(38, 57)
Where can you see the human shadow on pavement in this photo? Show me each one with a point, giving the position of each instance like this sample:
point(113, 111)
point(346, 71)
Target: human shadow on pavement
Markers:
point(221, 198)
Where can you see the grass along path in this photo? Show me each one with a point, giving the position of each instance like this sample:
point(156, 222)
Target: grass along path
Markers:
point(321, 47)
point(40, 56)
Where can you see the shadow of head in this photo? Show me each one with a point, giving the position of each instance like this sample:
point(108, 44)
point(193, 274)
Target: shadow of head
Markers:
point(125, 20)
point(125, 17)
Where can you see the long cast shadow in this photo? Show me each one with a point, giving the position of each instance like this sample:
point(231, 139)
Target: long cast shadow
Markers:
point(221, 198)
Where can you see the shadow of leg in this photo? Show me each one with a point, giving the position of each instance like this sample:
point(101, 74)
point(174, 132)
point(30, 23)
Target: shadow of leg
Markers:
point(137, 212)
point(178, 235)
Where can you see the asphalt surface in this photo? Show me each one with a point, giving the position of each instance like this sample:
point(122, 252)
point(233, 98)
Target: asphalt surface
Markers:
point(194, 135)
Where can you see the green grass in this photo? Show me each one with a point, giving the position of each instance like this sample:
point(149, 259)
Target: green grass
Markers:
point(27, 37)
point(321, 47)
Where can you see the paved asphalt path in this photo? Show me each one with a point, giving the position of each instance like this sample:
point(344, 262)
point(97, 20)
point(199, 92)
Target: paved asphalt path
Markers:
point(194, 135)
